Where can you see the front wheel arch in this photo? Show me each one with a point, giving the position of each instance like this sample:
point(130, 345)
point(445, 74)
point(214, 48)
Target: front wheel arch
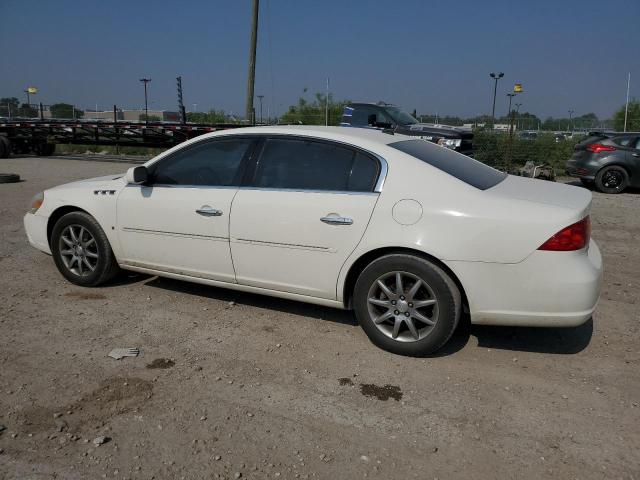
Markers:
point(365, 259)
point(57, 214)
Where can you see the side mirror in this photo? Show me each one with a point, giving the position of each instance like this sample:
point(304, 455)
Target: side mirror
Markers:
point(137, 175)
point(371, 119)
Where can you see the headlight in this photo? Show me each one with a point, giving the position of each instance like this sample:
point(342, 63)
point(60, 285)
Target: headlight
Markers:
point(36, 202)
point(450, 142)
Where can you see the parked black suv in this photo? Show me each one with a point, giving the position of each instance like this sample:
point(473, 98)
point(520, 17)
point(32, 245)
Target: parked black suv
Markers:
point(386, 116)
point(611, 161)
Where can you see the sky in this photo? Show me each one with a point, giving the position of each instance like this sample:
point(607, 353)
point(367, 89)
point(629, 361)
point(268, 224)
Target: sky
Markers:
point(432, 56)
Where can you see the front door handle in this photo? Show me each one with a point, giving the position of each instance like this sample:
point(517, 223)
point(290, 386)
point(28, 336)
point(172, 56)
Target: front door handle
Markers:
point(208, 211)
point(636, 154)
point(337, 220)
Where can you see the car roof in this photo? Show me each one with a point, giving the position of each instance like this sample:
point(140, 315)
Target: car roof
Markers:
point(344, 134)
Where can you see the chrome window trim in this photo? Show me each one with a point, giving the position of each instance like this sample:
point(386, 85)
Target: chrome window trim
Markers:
point(309, 190)
point(384, 169)
point(173, 185)
point(382, 175)
point(236, 187)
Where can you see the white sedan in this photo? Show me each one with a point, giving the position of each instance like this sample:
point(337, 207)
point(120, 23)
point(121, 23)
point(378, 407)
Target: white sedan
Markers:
point(407, 233)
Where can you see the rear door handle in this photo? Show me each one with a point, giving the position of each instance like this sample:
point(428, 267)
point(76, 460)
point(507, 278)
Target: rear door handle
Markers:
point(335, 220)
point(208, 211)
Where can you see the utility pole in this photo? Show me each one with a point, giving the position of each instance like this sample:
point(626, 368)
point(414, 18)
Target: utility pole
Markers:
point(183, 113)
point(326, 106)
point(518, 105)
point(250, 113)
point(570, 126)
point(260, 97)
point(626, 107)
point(146, 105)
point(496, 77)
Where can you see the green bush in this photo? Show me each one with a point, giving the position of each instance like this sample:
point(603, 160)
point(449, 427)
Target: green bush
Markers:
point(493, 149)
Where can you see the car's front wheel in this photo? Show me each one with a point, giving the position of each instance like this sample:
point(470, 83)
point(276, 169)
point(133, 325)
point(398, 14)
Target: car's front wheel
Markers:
point(406, 304)
point(81, 250)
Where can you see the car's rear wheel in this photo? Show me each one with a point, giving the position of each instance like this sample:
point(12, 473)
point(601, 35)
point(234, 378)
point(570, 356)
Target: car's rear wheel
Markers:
point(81, 250)
point(613, 179)
point(406, 304)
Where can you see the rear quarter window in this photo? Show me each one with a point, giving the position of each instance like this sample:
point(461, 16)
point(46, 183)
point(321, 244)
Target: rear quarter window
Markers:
point(460, 166)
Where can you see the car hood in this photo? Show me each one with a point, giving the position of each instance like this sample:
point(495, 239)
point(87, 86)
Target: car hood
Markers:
point(445, 131)
point(103, 181)
point(541, 191)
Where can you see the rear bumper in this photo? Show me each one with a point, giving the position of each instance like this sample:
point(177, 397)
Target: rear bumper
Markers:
point(580, 173)
point(36, 228)
point(548, 289)
point(580, 169)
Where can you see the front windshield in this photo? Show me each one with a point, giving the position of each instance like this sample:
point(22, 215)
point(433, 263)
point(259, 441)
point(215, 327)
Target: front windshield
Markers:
point(400, 117)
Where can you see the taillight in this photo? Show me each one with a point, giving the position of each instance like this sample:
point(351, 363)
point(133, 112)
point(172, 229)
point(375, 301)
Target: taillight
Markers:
point(573, 237)
point(598, 147)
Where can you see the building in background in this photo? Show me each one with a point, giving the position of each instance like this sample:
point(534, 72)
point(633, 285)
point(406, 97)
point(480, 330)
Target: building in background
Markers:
point(132, 115)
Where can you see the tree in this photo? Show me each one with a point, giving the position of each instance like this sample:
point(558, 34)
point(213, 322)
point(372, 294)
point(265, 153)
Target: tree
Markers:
point(27, 111)
point(9, 106)
point(313, 113)
point(633, 117)
point(212, 116)
point(65, 110)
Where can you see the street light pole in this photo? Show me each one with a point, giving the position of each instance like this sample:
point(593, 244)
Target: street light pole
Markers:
point(146, 105)
point(496, 77)
point(510, 95)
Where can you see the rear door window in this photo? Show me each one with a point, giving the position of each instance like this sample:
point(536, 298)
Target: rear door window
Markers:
point(302, 164)
point(623, 141)
point(460, 166)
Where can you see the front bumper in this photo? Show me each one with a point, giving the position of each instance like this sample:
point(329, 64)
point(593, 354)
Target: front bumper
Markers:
point(548, 289)
point(36, 227)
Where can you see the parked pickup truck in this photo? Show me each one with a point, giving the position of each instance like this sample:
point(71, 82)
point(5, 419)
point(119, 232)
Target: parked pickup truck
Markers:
point(386, 116)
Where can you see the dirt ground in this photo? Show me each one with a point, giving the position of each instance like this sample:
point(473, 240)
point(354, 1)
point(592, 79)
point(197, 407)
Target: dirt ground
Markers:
point(233, 385)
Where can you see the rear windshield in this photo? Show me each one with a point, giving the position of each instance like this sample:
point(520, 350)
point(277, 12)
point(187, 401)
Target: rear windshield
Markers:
point(464, 168)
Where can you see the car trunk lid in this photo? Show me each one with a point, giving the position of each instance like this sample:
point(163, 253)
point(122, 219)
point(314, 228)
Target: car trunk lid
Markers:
point(541, 191)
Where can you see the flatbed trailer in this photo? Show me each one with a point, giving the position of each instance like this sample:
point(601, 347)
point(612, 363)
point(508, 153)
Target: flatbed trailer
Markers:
point(24, 136)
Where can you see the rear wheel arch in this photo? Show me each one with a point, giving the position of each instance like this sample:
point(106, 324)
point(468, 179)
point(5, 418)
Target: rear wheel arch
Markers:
point(361, 263)
point(57, 214)
point(616, 164)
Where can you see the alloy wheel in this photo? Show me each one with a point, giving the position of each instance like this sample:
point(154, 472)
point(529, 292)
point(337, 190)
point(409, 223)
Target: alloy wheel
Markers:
point(402, 306)
point(78, 250)
point(612, 179)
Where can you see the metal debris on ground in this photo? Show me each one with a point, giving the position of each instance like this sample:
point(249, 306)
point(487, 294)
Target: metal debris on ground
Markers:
point(100, 440)
point(119, 353)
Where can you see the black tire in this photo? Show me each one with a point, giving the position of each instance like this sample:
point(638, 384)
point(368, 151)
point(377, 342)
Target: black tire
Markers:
point(106, 266)
point(5, 147)
point(613, 179)
point(9, 178)
point(443, 287)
